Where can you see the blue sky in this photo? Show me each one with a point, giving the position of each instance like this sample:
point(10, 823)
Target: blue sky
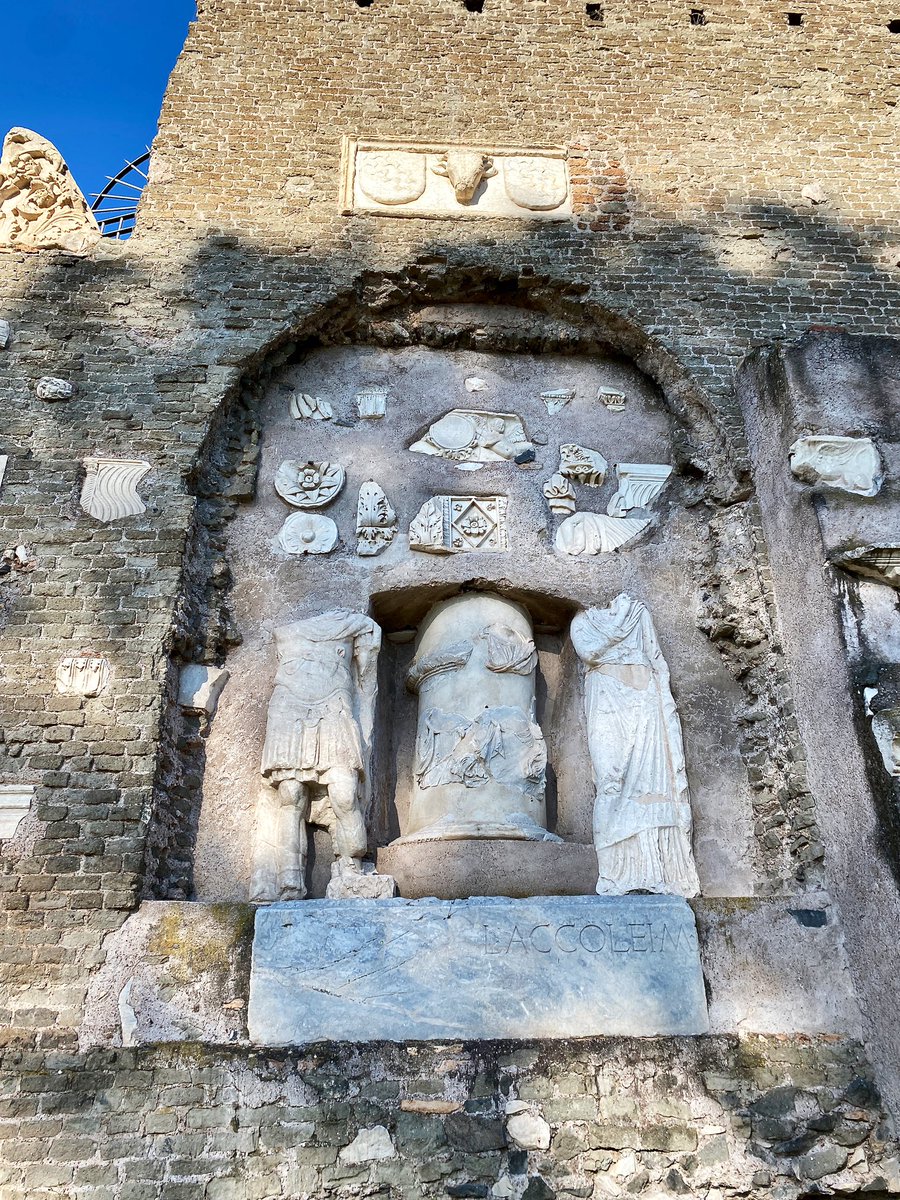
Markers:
point(90, 76)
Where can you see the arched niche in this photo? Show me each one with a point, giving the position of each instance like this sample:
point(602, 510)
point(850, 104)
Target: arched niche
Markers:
point(495, 358)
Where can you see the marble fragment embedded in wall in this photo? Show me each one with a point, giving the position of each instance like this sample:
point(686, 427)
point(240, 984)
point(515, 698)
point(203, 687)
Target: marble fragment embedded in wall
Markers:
point(639, 486)
point(110, 487)
point(847, 463)
point(82, 675)
point(881, 563)
point(886, 729)
point(556, 399)
point(308, 484)
point(307, 533)
point(5, 334)
point(41, 206)
point(559, 494)
point(199, 688)
point(480, 759)
point(467, 436)
point(453, 524)
point(595, 533)
point(433, 179)
point(15, 801)
point(50, 388)
point(311, 407)
point(582, 465)
point(376, 520)
point(371, 403)
point(612, 399)
point(4, 463)
point(642, 812)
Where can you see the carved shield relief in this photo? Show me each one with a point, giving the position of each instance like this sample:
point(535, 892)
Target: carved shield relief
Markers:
point(539, 184)
point(391, 176)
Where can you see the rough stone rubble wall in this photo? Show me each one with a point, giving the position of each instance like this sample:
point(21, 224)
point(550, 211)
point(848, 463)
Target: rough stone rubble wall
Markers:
point(692, 246)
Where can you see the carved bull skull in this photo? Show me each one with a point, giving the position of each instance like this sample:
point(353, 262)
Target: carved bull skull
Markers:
point(465, 169)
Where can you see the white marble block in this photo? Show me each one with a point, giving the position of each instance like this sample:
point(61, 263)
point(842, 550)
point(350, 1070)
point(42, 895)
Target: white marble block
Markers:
point(551, 967)
point(850, 464)
point(15, 801)
point(200, 687)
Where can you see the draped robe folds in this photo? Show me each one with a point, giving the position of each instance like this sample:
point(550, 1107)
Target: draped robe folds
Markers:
point(642, 811)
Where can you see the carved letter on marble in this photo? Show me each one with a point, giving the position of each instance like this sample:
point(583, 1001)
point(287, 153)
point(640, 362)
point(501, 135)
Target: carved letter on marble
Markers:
point(82, 675)
point(468, 436)
point(582, 465)
point(315, 760)
point(41, 207)
point(376, 520)
point(480, 755)
point(441, 180)
point(559, 494)
point(595, 533)
point(452, 524)
point(49, 388)
point(110, 487)
point(307, 533)
point(314, 407)
point(639, 485)
point(642, 810)
point(15, 801)
point(309, 484)
point(850, 464)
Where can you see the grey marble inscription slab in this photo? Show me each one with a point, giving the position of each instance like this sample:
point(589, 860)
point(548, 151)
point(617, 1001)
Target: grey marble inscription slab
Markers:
point(559, 966)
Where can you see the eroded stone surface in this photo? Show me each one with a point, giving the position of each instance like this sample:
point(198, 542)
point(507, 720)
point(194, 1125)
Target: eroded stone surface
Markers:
point(553, 967)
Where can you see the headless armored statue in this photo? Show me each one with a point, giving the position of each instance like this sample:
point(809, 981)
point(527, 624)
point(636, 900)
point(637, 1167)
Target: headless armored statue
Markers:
point(317, 737)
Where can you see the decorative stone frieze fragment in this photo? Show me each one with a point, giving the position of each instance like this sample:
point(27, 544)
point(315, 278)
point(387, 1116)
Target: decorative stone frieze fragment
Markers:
point(850, 464)
point(49, 388)
point(397, 178)
point(582, 465)
point(15, 801)
point(83, 675)
point(556, 399)
point(312, 407)
point(371, 403)
point(307, 533)
point(612, 399)
point(559, 494)
point(376, 520)
point(881, 563)
point(595, 533)
point(4, 463)
point(452, 524)
point(41, 206)
point(468, 436)
point(5, 334)
point(110, 487)
point(639, 486)
point(309, 484)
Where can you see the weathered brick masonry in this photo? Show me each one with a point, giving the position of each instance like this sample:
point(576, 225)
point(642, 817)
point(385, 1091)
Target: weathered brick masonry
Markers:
point(691, 249)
